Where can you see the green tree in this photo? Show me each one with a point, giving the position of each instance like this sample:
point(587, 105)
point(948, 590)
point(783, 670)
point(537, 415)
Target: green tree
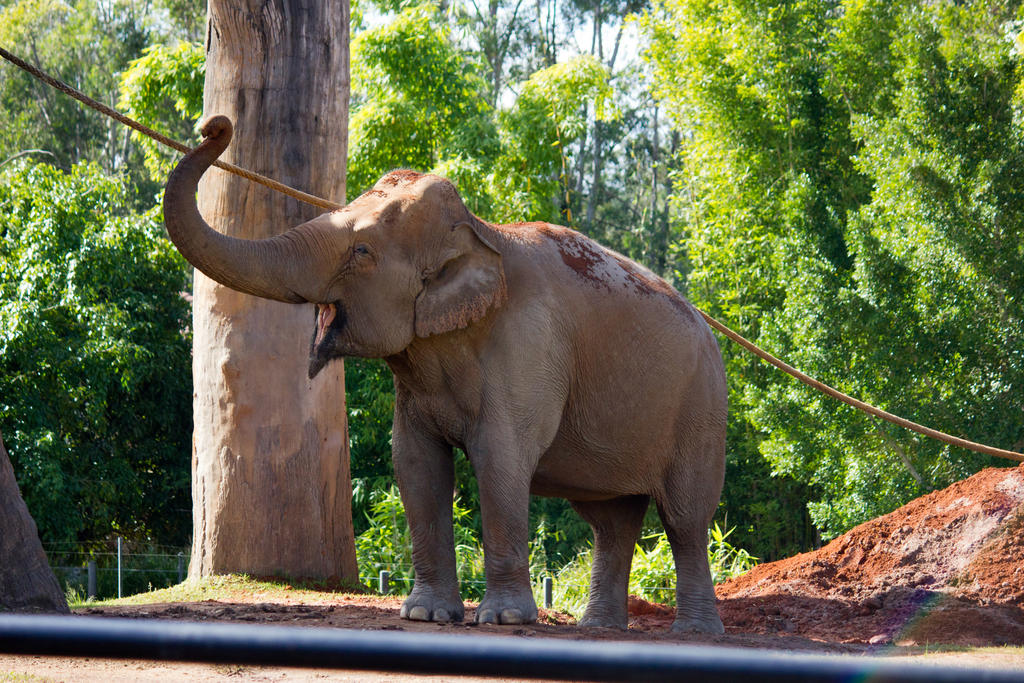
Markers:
point(846, 202)
point(95, 388)
point(936, 259)
point(85, 43)
point(163, 89)
point(502, 34)
point(532, 175)
point(742, 83)
point(418, 102)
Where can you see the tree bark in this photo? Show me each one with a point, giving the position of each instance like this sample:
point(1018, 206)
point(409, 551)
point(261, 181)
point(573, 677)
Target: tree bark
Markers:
point(270, 471)
point(27, 583)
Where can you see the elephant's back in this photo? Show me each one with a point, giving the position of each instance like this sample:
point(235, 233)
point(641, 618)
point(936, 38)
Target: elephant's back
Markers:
point(634, 337)
point(592, 279)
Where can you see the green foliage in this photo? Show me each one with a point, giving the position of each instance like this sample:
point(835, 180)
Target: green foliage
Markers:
point(531, 176)
point(370, 401)
point(94, 358)
point(572, 583)
point(385, 544)
point(726, 560)
point(163, 89)
point(85, 43)
point(653, 574)
point(742, 81)
point(561, 533)
point(850, 177)
point(561, 90)
point(417, 103)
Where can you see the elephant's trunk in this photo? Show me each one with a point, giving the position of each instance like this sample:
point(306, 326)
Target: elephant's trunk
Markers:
point(276, 268)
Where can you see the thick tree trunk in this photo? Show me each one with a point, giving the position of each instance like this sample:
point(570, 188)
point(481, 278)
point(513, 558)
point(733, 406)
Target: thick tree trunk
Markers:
point(27, 583)
point(270, 473)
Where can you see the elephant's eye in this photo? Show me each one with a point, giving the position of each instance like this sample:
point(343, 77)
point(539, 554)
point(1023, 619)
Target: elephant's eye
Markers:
point(361, 250)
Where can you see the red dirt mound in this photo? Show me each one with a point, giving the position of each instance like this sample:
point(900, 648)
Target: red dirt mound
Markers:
point(943, 568)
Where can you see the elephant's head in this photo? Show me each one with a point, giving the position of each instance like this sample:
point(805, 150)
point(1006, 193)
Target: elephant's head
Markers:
point(405, 260)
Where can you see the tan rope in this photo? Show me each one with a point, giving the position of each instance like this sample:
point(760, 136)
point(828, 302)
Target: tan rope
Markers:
point(860, 405)
point(325, 204)
point(163, 139)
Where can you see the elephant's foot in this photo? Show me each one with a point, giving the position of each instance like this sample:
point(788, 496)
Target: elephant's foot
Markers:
point(507, 608)
point(710, 624)
point(424, 605)
point(603, 622)
point(602, 616)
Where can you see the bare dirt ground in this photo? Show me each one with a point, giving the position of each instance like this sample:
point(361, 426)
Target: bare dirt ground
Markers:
point(930, 582)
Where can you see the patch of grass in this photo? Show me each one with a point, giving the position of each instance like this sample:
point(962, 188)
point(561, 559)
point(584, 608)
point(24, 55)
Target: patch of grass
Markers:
point(572, 585)
point(225, 588)
point(16, 677)
point(76, 598)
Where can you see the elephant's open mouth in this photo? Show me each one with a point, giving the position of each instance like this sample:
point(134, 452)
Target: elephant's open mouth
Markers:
point(325, 314)
point(329, 320)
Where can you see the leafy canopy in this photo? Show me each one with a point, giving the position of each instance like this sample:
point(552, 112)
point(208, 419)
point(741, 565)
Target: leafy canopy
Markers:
point(163, 89)
point(85, 43)
point(95, 391)
point(853, 185)
point(417, 103)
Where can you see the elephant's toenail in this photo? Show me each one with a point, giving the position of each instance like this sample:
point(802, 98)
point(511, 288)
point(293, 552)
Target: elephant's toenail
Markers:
point(511, 616)
point(419, 613)
point(442, 615)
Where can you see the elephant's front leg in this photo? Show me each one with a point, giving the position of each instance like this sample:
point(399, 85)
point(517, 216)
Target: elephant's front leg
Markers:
point(426, 479)
point(504, 481)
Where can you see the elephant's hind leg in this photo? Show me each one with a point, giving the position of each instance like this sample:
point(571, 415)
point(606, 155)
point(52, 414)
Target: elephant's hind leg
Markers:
point(687, 531)
point(616, 525)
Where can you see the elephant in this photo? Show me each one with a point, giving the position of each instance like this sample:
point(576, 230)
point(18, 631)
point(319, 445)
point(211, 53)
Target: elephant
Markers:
point(559, 367)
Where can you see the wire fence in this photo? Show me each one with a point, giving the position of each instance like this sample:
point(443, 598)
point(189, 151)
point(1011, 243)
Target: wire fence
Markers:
point(118, 569)
point(123, 571)
point(115, 568)
point(102, 575)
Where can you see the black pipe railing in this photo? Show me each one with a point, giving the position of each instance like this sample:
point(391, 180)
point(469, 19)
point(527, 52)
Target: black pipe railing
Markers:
point(451, 654)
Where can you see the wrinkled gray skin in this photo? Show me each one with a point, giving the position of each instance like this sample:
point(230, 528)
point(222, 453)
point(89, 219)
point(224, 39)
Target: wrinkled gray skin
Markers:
point(559, 367)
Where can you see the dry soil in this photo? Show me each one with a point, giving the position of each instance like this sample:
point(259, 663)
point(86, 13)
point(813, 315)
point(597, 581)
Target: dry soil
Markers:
point(944, 570)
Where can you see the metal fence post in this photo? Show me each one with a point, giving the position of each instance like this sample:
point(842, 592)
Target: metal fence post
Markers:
point(549, 589)
point(90, 590)
point(181, 566)
point(119, 566)
point(383, 580)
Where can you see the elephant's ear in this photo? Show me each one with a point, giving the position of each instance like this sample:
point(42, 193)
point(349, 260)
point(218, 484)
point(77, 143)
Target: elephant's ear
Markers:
point(467, 281)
